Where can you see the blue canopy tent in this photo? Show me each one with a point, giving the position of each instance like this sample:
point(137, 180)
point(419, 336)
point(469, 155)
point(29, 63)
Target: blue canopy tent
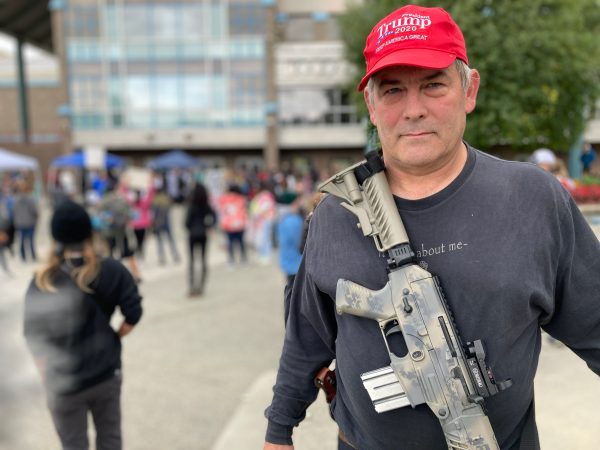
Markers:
point(175, 159)
point(77, 159)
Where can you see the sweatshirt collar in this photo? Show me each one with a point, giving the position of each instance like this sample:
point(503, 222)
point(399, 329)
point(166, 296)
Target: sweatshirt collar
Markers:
point(447, 192)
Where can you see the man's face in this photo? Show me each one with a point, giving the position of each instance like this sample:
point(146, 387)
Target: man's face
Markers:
point(420, 115)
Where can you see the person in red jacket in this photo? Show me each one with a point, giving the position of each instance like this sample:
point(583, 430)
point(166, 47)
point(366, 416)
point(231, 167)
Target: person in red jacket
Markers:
point(233, 219)
point(141, 204)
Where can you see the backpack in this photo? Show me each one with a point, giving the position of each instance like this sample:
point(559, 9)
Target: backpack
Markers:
point(115, 212)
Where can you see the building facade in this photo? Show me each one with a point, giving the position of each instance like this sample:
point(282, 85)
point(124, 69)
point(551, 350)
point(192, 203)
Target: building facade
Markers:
point(148, 76)
point(253, 82)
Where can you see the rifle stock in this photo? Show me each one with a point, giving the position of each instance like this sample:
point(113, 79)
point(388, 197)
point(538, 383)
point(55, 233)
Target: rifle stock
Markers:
point(451, 378)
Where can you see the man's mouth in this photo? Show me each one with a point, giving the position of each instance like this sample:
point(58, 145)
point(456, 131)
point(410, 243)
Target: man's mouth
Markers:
point(416, 134)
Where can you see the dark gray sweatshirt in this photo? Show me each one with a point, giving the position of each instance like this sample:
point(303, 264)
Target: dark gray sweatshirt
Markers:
point(71, 331)
point(514, 255)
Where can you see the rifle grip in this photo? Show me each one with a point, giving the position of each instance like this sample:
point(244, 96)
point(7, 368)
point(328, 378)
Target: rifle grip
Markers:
point(352, 298)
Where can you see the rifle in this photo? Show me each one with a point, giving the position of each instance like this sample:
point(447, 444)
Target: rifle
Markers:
point(452, 378)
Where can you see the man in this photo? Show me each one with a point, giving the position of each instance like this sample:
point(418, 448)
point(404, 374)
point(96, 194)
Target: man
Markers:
point(511, 248)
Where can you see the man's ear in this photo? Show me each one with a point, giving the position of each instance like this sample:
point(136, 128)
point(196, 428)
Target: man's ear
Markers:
point(471, 97)
point(369, 101)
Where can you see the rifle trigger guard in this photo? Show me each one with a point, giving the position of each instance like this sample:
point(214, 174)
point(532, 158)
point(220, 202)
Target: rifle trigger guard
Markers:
point(392, 330)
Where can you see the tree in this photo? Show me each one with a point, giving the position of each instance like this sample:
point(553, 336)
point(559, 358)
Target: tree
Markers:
point(539, 62)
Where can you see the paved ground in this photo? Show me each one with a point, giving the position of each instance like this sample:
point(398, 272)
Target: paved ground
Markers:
point(198, 374)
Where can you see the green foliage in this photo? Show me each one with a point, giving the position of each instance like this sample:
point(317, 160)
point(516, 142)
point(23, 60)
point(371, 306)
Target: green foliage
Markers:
point(589, 180)
point(539, 62)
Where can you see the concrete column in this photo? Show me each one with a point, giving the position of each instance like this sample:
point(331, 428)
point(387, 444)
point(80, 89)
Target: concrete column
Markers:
point(271, 148)
point(57, 10)
point(23, 104)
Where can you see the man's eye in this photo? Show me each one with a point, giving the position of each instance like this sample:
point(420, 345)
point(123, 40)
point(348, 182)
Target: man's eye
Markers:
point(390, 91)
point(434, 85)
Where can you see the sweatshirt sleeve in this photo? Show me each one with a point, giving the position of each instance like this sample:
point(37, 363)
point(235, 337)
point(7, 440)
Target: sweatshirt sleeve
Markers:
point(117, 284)
point(576, 317)
point(34, 323)
point(309, 345)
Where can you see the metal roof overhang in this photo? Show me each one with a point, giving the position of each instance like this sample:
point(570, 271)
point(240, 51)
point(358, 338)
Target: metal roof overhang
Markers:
point(28, 21)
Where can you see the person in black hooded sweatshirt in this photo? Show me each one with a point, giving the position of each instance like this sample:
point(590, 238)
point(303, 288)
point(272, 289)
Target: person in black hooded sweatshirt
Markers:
point(200, 217)
point(68, 307)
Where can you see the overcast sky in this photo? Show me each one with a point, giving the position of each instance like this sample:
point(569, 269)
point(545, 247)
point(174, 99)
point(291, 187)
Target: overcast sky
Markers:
point(39, 65)
point(8, 45)
point(5, 42)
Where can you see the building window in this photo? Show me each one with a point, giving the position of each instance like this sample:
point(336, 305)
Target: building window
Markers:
point(342, 110)
point(246, 19)
point(167, 64)
point(138, 100)
point(82, 21)
point(308, 105)
point(247, 48)
point(88, 120)
point(87, 92)
point(164, 22)
point(299, 28)
point(308, 28)
point(135, 21)
point(84, 50)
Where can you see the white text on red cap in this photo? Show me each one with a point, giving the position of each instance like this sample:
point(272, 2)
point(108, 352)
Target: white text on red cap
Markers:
point(408, 22)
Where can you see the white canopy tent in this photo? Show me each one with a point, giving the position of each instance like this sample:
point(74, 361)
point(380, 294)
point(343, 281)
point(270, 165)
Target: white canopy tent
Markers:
point(13, 162)
point(10, 161)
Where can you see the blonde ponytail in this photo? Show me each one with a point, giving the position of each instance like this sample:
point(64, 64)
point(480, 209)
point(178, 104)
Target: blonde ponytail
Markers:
point(83, 275)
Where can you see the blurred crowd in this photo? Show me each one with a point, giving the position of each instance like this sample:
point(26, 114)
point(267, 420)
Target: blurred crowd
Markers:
point(245, 208)
point(585, 189)
point(251, 211)
point(18, 217)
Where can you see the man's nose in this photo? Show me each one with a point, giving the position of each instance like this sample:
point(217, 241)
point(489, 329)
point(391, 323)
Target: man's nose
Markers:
point(414, 107)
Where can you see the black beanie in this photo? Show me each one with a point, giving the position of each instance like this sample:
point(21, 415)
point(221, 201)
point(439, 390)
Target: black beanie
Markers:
point(70, 224)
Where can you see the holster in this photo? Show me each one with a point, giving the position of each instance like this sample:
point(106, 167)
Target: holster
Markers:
point(325, 379)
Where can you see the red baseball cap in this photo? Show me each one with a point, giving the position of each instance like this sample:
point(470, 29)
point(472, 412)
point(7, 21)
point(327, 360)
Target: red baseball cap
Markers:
point(414, 36)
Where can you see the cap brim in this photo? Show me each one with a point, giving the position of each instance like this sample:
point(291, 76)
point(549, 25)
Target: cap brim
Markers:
point(428, 59)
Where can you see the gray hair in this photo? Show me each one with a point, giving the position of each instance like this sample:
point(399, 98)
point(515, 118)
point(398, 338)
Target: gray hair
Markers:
point(464, 71)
